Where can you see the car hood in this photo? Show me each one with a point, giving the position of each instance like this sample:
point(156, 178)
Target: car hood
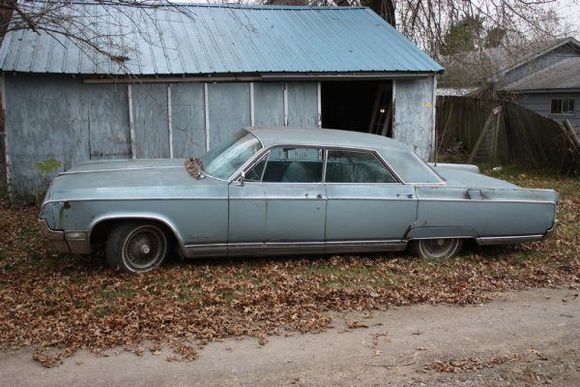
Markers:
point(457, 177)
point(131, 179)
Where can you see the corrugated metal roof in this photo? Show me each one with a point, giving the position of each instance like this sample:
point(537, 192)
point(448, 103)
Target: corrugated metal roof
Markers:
point(562, 75)
point(211, 39)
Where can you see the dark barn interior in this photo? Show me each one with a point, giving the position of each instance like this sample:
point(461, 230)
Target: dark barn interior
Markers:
point(358, 106)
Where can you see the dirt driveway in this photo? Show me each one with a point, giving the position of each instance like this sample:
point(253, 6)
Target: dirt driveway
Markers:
point(522, 338)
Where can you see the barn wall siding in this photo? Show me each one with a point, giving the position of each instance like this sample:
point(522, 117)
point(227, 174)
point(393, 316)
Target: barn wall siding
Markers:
point(269, 104)
point(302, 104)
point(48, 132)
point(150, 121)
point(414, 118)
point(188, 119)
point(54, 122)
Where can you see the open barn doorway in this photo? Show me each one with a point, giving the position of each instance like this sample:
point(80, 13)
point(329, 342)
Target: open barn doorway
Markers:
point(361, 106)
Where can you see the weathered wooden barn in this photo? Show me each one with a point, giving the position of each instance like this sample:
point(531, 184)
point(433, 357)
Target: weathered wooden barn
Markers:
point(184, 77)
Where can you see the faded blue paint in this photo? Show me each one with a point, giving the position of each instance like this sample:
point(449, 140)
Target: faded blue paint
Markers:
point(230, 109)
point(108, 122)
point(296, 217)
point(269, 104)
point(208, 39)
point(150, 120)
point(302, 104)
point(188, 119)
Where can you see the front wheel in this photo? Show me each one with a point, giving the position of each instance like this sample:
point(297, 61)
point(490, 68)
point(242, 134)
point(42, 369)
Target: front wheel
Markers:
point(436, 249)
point(136, 247)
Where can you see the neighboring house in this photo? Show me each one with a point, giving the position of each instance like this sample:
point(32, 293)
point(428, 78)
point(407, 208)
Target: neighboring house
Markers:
point(187, 78)
point(547, 82)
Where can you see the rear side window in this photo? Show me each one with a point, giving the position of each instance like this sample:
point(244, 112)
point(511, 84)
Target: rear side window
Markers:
point(356, 167)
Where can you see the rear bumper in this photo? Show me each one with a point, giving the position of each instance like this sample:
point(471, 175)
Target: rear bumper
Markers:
point(55, 237)
point(75, 242)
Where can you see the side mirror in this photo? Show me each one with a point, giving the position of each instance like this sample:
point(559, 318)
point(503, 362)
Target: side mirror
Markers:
point(240, 181)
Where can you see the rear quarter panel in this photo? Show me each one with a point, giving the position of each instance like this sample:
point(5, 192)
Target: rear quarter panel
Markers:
point(490, 212)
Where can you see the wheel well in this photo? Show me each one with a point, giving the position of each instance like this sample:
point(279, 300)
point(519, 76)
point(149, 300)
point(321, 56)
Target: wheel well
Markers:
point(102, 229)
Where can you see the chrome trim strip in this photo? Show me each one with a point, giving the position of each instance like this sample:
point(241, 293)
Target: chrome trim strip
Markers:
point(119, 169)
point(486, 200)
point(132, 199)
point(484, 241)
point(288, 248)
point(128, 215)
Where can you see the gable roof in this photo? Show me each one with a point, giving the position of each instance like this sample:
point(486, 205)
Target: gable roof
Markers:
point(560, 43)
point(564, 74)
point(191, 39)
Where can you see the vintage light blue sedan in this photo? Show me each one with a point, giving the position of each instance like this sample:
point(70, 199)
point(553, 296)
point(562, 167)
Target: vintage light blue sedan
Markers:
point(287, 191)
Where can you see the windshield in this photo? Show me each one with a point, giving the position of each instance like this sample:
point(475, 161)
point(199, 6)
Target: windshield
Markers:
point(227, 157)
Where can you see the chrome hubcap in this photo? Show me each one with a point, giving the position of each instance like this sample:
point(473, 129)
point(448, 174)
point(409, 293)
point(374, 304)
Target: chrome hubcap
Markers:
point(439, 248)
point(144, 247)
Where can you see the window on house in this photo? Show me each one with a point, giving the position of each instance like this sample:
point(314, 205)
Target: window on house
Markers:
point(562, 106)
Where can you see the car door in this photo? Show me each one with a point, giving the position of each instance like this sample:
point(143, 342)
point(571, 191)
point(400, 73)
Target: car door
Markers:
point(366, 205)
point(293, 208)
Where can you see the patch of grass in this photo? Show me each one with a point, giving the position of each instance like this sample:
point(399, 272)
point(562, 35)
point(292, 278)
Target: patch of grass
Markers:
point(114, 294)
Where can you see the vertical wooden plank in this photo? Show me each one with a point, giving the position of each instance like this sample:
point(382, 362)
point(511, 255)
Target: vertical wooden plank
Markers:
point(108, 123)
point(252, 105)
point(285, 103)
point(414, 114)
point(269, 104)
point(169, 120)
point(206, 113)
point(302, 104)
point(229, 109)
point(5, 138)
point(131, 119)
point(151, 126)
point(433, 119)
point(188, 119)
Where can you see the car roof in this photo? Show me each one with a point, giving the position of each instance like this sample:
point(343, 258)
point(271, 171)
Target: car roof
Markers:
point(324, 137)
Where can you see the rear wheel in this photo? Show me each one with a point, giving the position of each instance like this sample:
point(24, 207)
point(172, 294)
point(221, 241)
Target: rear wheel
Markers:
point(436, 249)
point(136, 247)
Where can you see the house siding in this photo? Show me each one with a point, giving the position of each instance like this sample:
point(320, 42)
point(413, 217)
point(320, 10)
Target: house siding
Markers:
point(541, 103)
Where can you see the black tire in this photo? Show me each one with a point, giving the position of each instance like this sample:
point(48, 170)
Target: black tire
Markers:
point(136, 247)
point(436, 249)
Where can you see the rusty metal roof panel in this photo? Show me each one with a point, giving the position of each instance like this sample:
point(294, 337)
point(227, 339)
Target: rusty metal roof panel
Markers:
point(218, 39)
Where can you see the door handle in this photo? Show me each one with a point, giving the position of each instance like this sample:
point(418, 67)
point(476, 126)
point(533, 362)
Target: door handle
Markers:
point(319, 196)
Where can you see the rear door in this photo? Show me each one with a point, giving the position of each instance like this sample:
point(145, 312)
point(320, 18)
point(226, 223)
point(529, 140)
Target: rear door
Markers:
point(365, 202)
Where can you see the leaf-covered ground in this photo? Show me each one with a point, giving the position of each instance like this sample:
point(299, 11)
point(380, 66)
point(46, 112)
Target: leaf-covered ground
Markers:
point(59, 304)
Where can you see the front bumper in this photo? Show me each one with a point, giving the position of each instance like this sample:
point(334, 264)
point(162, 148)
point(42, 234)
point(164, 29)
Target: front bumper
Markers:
point(75, 242)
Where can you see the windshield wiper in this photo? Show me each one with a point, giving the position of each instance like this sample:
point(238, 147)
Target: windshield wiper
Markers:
point(194, 167)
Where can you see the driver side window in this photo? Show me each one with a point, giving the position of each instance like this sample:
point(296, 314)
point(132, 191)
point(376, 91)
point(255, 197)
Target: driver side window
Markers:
point(289, 165)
